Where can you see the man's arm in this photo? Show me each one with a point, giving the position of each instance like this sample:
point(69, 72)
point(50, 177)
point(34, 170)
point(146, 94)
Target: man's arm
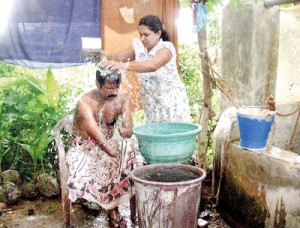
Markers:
point(89, 125)
point(127, 124)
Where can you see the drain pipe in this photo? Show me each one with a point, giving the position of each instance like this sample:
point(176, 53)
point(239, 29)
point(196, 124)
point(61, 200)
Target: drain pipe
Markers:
point(271, 3)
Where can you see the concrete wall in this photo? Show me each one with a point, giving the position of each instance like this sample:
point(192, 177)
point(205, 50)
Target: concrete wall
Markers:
point(260, 189)
point(260, 57)
point(288, 74)
point(283, 129)
point(250, 36)
point(288, 81)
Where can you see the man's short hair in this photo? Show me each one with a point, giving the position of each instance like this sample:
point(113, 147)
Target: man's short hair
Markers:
point(107, 75)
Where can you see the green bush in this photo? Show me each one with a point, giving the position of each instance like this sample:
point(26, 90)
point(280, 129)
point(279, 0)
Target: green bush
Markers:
point(190, 73)
point(30, 106)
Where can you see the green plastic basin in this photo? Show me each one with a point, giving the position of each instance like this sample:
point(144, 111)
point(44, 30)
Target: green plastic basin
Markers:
point(167, 142)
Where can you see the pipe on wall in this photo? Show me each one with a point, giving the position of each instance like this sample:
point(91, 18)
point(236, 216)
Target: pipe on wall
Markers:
point(271, 3)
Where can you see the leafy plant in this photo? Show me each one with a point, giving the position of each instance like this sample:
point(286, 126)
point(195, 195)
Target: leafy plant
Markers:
point(31, 103)
point(49, 209)
point(6, 69)
point(5, 120)
point(33, 106)
point(190, 73)
point(4, 135)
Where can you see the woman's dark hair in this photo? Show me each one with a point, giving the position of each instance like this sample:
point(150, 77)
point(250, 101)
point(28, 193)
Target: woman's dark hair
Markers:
point(107, 75)
point(155, 25)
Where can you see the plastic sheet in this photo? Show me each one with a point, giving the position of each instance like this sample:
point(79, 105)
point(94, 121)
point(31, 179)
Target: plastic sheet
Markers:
point(44, 33)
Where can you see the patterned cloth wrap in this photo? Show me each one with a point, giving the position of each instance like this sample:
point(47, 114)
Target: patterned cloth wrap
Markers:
point(94, 177)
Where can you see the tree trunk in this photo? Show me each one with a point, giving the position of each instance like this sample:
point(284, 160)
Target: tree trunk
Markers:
point(207, 94)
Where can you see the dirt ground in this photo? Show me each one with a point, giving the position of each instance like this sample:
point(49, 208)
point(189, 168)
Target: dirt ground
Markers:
point(48, 213)
point(208, 210)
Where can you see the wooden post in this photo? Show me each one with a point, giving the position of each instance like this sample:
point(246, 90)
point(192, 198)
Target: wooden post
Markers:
point(207, 94)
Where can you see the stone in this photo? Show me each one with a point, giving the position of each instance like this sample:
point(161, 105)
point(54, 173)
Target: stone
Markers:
point(202, 223)
point(10, 176)
point(9, 193)
point(29, 191)
point(3, 206)
point(90, 207)
point(48, 186)
point(205, 215)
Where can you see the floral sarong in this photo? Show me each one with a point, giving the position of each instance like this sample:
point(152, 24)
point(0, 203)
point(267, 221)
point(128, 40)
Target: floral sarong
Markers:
point(94, 177)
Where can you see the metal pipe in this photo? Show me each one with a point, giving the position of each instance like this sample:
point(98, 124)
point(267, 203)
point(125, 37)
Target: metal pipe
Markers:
point(271, 3)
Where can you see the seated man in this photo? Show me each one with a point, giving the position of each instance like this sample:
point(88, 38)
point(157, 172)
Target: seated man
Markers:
point(99, 162)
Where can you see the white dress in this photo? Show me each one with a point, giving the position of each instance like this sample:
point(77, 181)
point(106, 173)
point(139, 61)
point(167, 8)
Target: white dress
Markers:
point(163, 94)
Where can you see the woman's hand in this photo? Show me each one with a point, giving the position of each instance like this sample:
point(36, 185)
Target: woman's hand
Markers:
point(101, 56)
point(114, 65)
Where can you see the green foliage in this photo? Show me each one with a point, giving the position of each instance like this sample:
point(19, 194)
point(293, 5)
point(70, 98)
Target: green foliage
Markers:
point(184, 3)
point(138, 117)
point(31, 103)
point(6, 69)
point(29, 109)
point(24, 212)
point(49, 209)
point(211, 4)
point(52, 92)
point(214, 31)
point(190, 73)
point(235, 3)
point(5, 134)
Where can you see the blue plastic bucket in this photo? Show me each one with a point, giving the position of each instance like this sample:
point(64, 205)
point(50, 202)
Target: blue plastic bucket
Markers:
point(254, 126)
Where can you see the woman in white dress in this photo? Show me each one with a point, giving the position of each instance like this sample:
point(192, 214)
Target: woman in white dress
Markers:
point(153, 57)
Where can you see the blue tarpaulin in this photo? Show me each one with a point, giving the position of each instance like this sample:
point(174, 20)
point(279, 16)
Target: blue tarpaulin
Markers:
point(47, 33)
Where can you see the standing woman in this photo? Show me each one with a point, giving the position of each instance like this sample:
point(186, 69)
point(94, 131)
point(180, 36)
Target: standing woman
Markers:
point(153, 58)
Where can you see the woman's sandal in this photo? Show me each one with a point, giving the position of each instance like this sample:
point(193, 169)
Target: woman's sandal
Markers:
point(117, 222)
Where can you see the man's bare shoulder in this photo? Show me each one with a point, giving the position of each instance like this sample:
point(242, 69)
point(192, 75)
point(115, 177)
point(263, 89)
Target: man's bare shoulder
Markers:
point(125, 96)
point(85, 106)
point(86, 98)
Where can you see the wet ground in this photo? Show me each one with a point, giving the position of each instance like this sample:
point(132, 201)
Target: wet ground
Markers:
point(48, 213)
point(208, 210)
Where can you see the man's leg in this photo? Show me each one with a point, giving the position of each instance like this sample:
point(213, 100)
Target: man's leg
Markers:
point(115, 218)
point(133, 209)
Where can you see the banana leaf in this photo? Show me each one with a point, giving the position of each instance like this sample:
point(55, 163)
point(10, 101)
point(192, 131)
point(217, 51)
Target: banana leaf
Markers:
point(52, 89)
point(7, 83)
point(34, 84)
